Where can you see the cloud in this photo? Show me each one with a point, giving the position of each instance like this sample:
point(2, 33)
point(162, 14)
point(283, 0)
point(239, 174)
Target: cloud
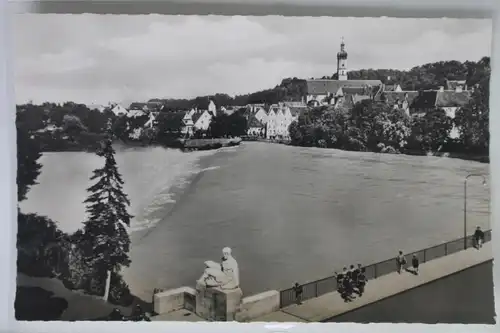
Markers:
point(101, 58)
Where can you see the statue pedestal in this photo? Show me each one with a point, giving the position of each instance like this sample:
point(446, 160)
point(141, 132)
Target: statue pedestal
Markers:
point(216, 304)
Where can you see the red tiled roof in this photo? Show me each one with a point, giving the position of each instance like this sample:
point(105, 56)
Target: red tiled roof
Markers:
point(425, 100)
point(324, 87)
point(447, 98)
point(137, 106)
point(354, 90)
point(391, 97)
point(452, 98)
point(297, 110)
point(254, 122)
point(359, 98)
point(196, 116)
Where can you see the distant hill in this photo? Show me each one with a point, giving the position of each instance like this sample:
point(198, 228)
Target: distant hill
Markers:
point(427, 76)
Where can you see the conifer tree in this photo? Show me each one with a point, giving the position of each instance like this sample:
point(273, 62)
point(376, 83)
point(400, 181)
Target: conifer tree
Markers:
point(105, 236)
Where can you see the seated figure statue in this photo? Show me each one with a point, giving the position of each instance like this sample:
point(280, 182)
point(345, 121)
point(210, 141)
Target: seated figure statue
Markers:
point(224, 275)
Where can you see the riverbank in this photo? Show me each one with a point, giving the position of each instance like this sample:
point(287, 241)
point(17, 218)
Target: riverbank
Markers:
point(209, 144)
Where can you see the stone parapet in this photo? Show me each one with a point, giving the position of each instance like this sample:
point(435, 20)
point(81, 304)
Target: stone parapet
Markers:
point(174, 299)
point(258, 305)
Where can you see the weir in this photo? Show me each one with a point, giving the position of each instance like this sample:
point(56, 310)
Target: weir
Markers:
point(318, 304)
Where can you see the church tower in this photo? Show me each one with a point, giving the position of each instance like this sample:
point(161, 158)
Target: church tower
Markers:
point(342, 62)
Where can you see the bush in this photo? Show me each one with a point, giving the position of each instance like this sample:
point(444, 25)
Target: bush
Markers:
point(40, 250)
point(34, 303)
point(82, 276)
point(119, 292)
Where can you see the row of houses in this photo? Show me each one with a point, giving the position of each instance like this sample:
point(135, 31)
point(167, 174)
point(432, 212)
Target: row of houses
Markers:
point(272, 122)
point(449, 98)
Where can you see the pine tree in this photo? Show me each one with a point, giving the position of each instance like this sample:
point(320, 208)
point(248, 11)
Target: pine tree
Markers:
point(105, 235)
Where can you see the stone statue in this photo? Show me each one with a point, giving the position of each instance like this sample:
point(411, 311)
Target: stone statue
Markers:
point(225, 275)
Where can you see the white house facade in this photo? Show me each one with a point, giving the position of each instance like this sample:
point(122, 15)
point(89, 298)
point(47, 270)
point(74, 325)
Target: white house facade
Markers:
point(201, 120)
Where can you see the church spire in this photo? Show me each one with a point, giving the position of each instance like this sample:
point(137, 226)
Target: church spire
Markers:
point(342, 61)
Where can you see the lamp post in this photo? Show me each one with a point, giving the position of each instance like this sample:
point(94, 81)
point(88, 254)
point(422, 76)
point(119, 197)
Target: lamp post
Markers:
point(465, 202)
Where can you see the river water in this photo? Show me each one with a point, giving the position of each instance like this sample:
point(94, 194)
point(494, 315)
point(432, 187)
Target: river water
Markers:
point(289, 213)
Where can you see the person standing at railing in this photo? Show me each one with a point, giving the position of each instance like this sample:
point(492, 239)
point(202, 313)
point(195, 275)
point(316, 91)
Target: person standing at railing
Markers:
point(400, 261)
point(478, 238)
point(415, 263)
point(297, 288)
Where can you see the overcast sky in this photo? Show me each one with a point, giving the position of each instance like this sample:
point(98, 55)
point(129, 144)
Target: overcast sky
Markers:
point(102, 58)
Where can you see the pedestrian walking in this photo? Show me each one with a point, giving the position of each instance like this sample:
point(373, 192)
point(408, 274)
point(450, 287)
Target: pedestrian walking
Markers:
point(400, 261)
point(347, 289)
point(340, 278)
point(415, 263)
point(349, 272)
point(361, 282)
point(355, 273)
point(352, 273)
point(478, 238)
point(116, 315)
point(345, 272)
point(138, 314)
point(297, 288)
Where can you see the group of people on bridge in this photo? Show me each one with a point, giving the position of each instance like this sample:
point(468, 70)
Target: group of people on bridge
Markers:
point(351, 281)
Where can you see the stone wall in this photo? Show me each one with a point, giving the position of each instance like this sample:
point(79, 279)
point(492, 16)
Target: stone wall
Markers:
point(174, 299)
point(258, 305)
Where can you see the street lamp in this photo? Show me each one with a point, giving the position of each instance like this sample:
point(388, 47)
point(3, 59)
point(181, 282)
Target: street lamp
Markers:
point(465, 203)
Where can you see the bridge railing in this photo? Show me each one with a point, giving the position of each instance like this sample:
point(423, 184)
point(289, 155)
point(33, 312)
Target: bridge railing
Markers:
point(329, 284)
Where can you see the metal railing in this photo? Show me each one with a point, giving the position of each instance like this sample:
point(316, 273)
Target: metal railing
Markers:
point(320, 287)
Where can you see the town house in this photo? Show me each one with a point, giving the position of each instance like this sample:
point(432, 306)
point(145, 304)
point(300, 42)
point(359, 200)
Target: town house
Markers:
point(201, 120)
point(255, 127)
point(450, 101)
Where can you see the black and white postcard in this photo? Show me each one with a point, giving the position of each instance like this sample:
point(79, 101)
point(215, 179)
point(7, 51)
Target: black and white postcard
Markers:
point(253, 169)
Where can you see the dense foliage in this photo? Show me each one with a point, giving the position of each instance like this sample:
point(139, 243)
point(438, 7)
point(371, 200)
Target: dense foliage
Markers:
point(473, 119)
point(369, 126)
point(28, 168)
point(223, 126)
